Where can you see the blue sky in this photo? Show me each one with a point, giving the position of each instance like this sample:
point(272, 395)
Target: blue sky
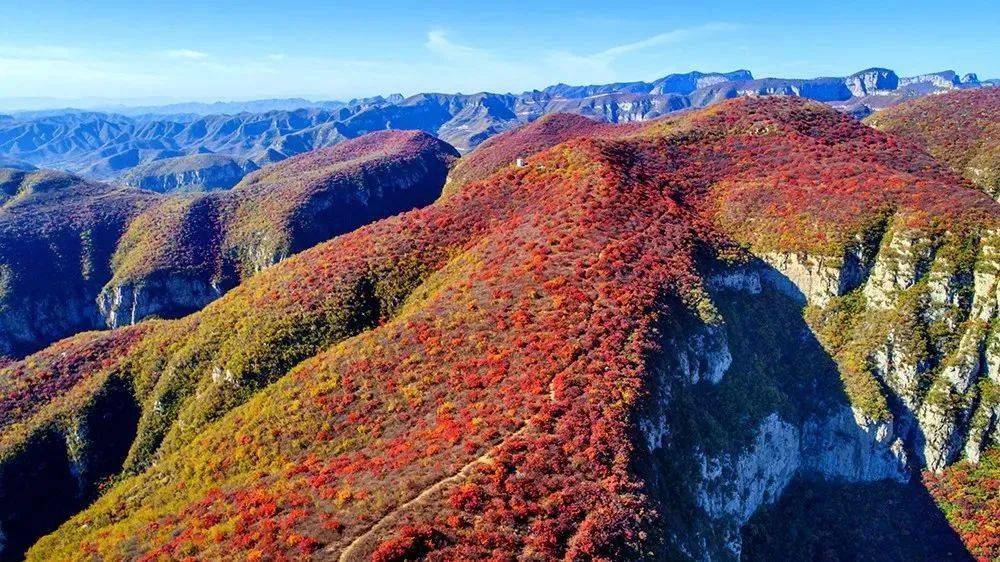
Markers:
point(338, 50)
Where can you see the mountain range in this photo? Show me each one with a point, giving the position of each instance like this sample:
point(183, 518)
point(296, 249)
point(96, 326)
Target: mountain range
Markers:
point(759, 330)
point(109, 146)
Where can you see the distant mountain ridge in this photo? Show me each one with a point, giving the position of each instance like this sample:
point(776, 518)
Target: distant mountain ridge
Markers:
point(108, 145)
point(81, 255)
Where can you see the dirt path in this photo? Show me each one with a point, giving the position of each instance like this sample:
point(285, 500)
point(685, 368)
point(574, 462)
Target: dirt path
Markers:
point(354, 550)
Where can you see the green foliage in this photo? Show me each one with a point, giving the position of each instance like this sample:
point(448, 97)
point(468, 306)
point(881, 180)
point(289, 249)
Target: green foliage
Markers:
point(851, 333)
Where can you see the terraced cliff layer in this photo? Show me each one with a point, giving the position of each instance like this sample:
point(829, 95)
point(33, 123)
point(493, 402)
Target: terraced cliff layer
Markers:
point(76, 255)
point(598, 354)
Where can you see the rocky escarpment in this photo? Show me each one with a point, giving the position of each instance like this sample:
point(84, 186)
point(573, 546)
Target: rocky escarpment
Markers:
point(871, 81)
point(213, 241)
point(196, 172)
point(945, 80)
point(57, 234)
point(127, 303)
point(795, 424)
point(917, 323)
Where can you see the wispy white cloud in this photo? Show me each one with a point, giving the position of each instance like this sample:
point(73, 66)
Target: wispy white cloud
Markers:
point(443, 62)
point(601, 64)
point(439, 44)
point(185, 54)
point(667, 38)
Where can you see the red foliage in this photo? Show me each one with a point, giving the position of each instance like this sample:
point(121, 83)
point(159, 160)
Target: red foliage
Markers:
point(410, 543)
point(970, 497)
point(28, 385)
point(514, 382)
point(961, 128)
point(504, 149)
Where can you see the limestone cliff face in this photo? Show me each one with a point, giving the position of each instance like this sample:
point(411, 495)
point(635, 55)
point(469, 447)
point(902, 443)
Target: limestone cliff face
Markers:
point(871, 81)
point(78, 256)
point(21, 328)
point(924, 330)
point(839, 448)
point(729, 482)
point(931, 310)
point(57, 233)
point(130, 302)
point(198, 172)
point(229, 241)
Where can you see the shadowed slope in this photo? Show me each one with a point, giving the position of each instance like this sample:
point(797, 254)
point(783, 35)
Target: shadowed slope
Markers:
point(57, 233)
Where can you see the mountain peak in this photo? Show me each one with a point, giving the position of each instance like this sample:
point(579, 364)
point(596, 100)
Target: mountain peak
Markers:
point(871, 80)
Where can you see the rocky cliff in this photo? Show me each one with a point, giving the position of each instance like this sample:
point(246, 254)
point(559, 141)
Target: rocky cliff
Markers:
point(185, 253)
point(912, 329)
point(872, 81)
point(57, 233)
point(197, 172)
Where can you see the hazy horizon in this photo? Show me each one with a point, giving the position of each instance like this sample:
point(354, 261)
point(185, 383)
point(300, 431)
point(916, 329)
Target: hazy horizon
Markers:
point(112, 53)
point(33, 104)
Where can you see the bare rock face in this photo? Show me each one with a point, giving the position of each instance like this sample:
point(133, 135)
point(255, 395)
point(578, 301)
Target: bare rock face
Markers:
point(984, 426)
point(128, 303)
point(836, 443)
point(840, 448)
point(932, 308)
point(196, 172)
point(700, 355)
point(734, 487)
point(871, 81)
point(912, 286)
point(77, 255)
point(946, 80)
point(898, 267)
point(815, 278)
point(846, 446)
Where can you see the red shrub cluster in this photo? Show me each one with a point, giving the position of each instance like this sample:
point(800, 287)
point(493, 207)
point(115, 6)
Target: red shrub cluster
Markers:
point(970, 498)
point(960, 128)
point(413, 542)
point(26, 386)
point(504, 149)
